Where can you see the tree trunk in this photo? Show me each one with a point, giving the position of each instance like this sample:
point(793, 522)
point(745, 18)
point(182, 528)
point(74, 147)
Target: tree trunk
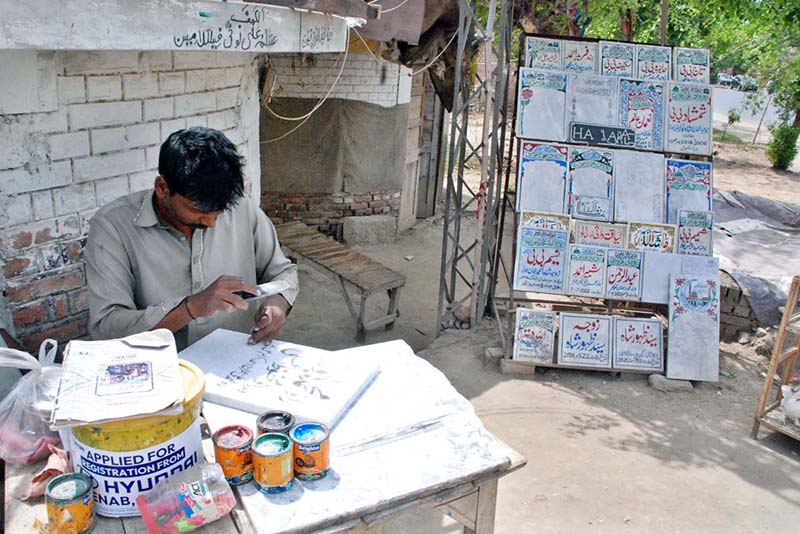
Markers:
point(796, 122)
point(626, 22)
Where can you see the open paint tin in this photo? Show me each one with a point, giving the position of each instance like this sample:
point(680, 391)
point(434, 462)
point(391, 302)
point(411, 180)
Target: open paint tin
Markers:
point(232, 451)
point(70, 504)
point(311, 450)
point(275, 421)
point(272, 462)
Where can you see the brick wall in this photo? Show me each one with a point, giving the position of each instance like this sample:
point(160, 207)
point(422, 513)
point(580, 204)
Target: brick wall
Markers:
point(363, 79)
point(57, 168)
point(736, 316)
point(325, 211)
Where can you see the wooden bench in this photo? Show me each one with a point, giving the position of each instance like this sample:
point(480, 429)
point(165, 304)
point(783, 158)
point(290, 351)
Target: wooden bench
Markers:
point(349, 268)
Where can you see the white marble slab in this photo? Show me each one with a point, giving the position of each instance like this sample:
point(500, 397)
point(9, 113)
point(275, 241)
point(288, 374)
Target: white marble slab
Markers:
point(592, 99)
point(688, 119)
point(638, 344)
point(534, 340)
point(544, 221)
point(658, 268)
point(543, 53)
point(704, 265)
point(541, 260)
point(580, 56)
point(541, 177)
point(586, 274)
point(641, 108)
point(608, 235)
point(693, 334)
point(591, 181)
point(617, 59)
point(541, 105)
point(653, 62)
point(391, 447)
point(639, 190)
point(689, 186)
point(624, 274)
point(695, 233)
point(312, 384)
point(653, 237)
point(585, 340)
point(692, 65)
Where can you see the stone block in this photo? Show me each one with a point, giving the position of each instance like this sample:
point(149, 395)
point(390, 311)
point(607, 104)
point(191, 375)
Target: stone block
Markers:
point(171, 83)
point(142, 85)
point(68, 145)
point(33, 178)
point(662, 383)
point(159, 108)
point(369, 230)
point(71, 90)
point(15, 210)
point(136, 135)
point(99, 62)
point(74, 198)
point(104, 114)
point(103, 88)
point(194, 103)
point(109, 165)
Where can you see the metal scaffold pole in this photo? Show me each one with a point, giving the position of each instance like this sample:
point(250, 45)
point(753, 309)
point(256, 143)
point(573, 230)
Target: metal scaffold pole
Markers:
point(468, 257)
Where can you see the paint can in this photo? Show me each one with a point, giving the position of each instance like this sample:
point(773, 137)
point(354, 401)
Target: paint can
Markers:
point(233, 452)
point(275, 421)
point(127, 458)
point(272, 462)
point(311, 450)
point(70, 504)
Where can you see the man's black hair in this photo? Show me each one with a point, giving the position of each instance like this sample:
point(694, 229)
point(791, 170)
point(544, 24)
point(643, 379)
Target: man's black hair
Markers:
point(204, 166)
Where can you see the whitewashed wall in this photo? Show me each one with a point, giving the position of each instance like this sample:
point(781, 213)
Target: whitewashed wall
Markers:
point(110, 113)
point(363, 79)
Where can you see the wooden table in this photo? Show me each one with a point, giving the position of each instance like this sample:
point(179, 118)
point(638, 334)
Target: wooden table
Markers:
point(410, 443)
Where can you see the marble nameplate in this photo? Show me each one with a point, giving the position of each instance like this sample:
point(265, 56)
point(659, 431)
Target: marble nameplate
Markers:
point(544, 221)
point(616, 59)
point(591, 173)
point(541, 260)
point(600, 234)
point(688, 187)
point(592, 99)
point(658, 267)
point(641, 108)
point(585, 340)
point(638, 344)
point(624, 274)
point(586, 274)
point(542, 53)
point(692, 65)
point(652, 237)
point(535, 336)
point(688, 119)
point(653, 62)
point(695, 231)
point(579, 56)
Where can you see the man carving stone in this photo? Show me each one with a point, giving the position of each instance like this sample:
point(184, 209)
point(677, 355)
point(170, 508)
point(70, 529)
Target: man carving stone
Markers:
point(175, 256)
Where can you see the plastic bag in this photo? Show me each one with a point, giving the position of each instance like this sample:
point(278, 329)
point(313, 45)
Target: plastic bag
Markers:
point(25, 413)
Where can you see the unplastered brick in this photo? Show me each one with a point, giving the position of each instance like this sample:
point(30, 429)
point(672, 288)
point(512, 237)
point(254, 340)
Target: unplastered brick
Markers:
point(25, 289)
point(83, 116)
point(109, 165)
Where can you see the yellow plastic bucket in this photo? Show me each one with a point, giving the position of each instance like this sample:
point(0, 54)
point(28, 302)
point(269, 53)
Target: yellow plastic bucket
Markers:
point(129, 457)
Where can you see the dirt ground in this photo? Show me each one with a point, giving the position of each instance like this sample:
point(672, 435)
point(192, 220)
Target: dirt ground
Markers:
point(606, 453)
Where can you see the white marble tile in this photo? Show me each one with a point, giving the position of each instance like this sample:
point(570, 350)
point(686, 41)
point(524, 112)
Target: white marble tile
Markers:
point(541, 177)
point(700, 265)
point(585, 340)
point(591, 180)
point(541, 105)
point(543, 53)
point(617, 59)
point(692, 65)
point(638, 344)
point(639, 186)
point(601, 234)
point(592, 99)
point(534, 340)
point(693, 334)
point(580, 56)
point(653, 62)
point(544, 221)
point(658, 268)
point(641, 108)
point(688, 119)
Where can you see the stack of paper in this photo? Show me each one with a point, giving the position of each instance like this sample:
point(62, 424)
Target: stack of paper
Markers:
point(118, 379)
point(311, 384)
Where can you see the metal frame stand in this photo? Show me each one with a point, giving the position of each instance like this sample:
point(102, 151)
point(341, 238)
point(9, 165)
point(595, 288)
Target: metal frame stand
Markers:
point(465, 284)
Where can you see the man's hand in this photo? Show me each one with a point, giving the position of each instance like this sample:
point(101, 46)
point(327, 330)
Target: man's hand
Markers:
point(269, 319)
point(220, 297)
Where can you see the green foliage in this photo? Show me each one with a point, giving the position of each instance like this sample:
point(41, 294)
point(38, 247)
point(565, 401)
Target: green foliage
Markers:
point(733, 116)
point(782, 149)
